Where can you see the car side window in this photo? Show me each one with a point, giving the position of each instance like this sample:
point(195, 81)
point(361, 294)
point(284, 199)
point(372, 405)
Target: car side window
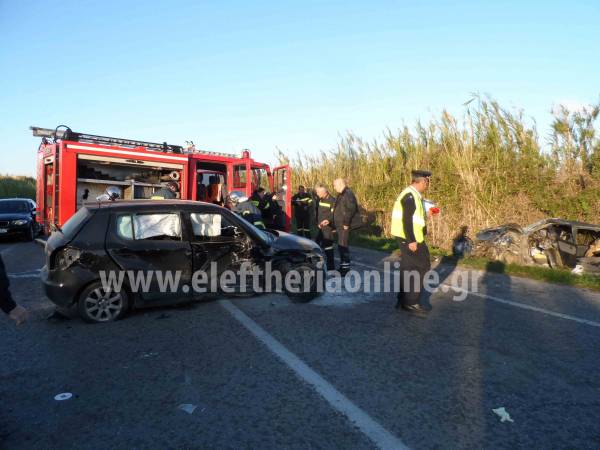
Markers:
point(164, 226)
point(213, 226)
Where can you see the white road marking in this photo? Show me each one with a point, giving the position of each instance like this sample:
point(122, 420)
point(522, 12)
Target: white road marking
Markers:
point(7, 250)
point(29, 274)
point(508, 302)
point(371, 428)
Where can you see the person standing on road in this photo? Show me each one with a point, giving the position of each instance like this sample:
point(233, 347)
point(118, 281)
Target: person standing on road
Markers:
point(302, 202)
point(7, 304)
point(345, 217)
point(409, 226)
point(326, 235)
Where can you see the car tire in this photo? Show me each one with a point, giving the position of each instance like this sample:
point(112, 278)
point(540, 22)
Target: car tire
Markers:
point(314, 291)
point(30, 234)
point(96, 305)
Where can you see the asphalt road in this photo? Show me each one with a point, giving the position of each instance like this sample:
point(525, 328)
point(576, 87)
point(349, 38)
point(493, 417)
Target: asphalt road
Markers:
point(345, 371)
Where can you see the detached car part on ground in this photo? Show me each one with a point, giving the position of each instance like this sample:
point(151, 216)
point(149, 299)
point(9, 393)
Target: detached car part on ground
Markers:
point(172, 235)
point(549, 242)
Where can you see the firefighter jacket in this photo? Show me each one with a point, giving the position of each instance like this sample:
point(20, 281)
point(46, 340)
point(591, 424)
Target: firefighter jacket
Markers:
point(302, 203)
point(249, 212)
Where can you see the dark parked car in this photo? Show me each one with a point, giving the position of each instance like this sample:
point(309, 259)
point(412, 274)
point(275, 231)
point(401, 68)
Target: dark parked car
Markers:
point(549, 242)
point(163, 236)
point(17, 218)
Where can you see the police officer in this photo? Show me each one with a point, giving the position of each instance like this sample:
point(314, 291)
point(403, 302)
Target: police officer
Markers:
point(302, 202)
point(345, 217)
point(239, 204)
point(409, 226)
point(167, 192)
point(7, 304)
point(326, 235)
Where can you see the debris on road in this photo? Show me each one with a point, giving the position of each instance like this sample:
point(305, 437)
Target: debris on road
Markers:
point(62, 397)
point(188, 407)
point(148, 355)
point(503, 414)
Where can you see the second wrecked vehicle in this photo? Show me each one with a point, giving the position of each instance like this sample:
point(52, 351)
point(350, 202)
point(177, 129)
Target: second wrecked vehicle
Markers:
point(549, 242)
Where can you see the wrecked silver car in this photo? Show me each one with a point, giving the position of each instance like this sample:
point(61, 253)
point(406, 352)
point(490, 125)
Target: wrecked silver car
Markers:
point(549, 242)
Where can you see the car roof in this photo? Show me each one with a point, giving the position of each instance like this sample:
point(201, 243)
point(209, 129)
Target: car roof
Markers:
point(131, 205)
point(557, 221)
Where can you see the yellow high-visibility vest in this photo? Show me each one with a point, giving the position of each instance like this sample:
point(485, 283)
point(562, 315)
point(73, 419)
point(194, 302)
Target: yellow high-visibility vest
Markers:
point(418, 218)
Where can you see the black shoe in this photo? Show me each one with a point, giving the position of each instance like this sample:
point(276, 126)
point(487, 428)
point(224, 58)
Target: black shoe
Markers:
point(417, 310)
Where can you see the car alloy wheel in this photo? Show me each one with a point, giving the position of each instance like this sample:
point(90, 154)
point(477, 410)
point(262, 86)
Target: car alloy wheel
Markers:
point(100, 305)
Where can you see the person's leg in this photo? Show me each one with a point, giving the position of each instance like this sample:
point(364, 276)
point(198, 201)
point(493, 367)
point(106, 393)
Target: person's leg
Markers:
point(344, 250)
point(413, 267)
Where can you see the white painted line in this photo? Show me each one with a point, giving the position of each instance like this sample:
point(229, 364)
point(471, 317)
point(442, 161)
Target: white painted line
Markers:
point(508, 302)
point(7, 250)
point(372, 429)
point(29, 274)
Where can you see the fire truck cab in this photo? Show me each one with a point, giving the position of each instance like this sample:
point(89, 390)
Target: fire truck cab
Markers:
point(74, 168)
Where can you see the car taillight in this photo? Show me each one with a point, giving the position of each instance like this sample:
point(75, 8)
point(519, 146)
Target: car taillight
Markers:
point(64, 257)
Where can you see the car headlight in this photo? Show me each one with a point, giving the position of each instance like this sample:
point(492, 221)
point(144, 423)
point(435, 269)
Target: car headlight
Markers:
point(20, 222)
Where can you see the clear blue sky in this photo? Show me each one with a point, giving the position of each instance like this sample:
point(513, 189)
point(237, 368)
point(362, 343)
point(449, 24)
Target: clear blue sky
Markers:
point(292, 75)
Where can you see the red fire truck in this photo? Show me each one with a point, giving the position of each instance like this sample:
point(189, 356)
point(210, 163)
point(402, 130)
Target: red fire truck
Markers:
point(74, 168)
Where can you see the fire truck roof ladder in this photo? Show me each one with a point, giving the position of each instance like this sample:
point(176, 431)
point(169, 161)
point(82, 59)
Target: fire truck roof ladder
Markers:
point(68, 135)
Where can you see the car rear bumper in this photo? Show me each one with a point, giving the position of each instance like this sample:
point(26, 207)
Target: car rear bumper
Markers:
point(63, 286)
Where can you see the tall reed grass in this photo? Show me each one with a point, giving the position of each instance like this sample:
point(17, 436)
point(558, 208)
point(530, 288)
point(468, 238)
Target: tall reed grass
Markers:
point(488, 168)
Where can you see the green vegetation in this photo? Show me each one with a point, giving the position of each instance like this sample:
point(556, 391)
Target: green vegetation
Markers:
point(488, 168)
point(17, 186)
point(557, 276)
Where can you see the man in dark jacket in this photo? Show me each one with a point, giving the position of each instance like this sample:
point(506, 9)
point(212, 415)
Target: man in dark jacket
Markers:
point(7, 304)
point(302, 201)
point(345, 218)
point(326, 235)
point(262, 201)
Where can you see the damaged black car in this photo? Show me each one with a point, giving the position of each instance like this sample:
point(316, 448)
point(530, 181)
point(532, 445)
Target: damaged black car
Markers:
point(156, 238)
point(549, 242)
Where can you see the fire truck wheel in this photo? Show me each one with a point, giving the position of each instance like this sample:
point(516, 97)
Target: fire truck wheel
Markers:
point(305, 295)
point(97, 304)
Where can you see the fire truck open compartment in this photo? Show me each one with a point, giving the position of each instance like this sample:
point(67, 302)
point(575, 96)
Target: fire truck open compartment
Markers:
point(137, 180)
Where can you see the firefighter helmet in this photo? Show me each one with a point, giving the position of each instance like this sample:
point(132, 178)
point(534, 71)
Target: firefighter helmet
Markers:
point(236, 197)
point(113, 193)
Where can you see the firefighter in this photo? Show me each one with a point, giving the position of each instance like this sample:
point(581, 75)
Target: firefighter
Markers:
point(7, 304)
point(302, 202)
point(262, 201)
point(409, 226)
point(111, 194)
point(239, 204)
point(215, 191)
point(326, 234)
point(167, 192)
point(345, 218)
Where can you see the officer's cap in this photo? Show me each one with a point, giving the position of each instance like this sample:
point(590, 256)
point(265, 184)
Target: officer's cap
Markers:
point(420, 173)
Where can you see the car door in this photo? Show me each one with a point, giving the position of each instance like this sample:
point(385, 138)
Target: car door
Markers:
point(567, 247)
point(218, 243)
point(151, 247)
